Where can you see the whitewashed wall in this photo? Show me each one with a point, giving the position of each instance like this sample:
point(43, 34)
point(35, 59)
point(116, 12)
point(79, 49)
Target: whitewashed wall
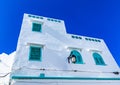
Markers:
point(56, 43)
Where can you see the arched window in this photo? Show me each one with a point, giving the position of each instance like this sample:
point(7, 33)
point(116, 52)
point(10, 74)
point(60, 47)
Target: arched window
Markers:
point(98, 59)
point(75, 57)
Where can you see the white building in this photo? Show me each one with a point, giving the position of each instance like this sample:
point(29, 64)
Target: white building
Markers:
point(47, 55)
point(6, 62)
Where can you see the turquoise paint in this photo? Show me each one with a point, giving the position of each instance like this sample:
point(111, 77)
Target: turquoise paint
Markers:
point(51, 19)
point(42, 75)
point(36, 27)
point(48, 19)
point(98, 59)
point(90, 39)
point(59, 21)
point(41, 17)
point(33, 16)
point(79, 59)
point(94, 40)
point(80, 37)
point(29, 15)
point(54, 20)
point(99, 41)
point(86, 38)
point(63, 78)
point(37, 17)
point(76, 37)
point(39, 56)
point(73, 36)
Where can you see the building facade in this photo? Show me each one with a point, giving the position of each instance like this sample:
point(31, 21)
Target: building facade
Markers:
point(47, 55)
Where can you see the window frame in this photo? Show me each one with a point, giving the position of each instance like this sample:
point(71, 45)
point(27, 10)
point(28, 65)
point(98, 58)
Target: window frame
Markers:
point(40, 56)
point(37, 23)
point(77, 58)
point(98, 59)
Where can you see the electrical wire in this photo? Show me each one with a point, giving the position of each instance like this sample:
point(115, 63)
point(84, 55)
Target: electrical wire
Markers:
point(43, 69)
point(10, 72)
point(6, 66)
point(5, 75)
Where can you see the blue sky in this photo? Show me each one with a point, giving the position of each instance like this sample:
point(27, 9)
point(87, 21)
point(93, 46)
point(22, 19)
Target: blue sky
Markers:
point(94, 18)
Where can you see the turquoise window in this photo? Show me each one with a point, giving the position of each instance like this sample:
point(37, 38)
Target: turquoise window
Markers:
point(77, 56)
point(98, 59)
point(36, 27)
point(35, 53)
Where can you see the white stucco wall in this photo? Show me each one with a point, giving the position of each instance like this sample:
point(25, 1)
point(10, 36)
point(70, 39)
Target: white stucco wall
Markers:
point(56, 48)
